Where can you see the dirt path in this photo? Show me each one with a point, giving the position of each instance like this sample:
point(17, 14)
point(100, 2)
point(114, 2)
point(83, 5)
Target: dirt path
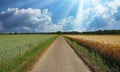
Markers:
point(60, 58)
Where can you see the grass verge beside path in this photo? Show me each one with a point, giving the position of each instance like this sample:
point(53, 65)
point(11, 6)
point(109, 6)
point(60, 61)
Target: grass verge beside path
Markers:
point(22, 62)
point(93, 59)
point(31, 57)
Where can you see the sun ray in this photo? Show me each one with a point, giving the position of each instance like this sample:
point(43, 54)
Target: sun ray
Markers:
point(71, 4)
point(79, 16)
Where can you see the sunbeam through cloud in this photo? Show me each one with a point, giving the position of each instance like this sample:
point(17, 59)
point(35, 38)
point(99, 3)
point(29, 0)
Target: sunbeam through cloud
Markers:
point(59, 15)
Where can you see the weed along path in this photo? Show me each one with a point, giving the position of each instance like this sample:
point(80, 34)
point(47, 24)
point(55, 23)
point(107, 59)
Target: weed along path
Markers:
point(60, 58)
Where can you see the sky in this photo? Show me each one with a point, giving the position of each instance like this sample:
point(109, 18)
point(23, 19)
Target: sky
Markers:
point(59, 15)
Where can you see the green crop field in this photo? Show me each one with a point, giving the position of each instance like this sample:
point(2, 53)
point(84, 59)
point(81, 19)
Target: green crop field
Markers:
point(15, 49)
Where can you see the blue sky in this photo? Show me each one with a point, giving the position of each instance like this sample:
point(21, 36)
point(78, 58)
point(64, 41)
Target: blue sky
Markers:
point(59, 15)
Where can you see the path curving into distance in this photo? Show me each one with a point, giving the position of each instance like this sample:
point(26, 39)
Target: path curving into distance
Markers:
point(60, 57)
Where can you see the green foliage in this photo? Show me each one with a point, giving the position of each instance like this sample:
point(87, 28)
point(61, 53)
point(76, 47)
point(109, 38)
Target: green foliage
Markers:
point(103, 32)
point(59, 32)
point(16, 49)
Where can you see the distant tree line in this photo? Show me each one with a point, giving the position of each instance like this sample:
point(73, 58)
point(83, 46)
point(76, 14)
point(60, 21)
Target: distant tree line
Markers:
point(103, 32)
point(92, 32)
point(71, 32)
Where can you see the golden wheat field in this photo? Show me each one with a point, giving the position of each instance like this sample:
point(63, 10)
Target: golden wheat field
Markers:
point(109, 45)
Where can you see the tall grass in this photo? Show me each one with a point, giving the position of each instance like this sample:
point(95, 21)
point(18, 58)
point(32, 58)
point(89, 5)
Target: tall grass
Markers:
point(108, 45)
point(18, 51)
point(97, 61)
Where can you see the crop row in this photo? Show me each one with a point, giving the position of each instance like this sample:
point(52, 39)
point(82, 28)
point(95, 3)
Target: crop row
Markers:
point(107, 45)
point(15, 46)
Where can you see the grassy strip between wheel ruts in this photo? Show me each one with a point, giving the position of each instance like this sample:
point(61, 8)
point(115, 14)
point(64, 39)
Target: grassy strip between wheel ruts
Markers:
point(93, 59)
point(24, 62)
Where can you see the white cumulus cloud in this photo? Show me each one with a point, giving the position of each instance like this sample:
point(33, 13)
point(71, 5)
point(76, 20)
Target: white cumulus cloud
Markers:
point(103, 16)
point(26, 20)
